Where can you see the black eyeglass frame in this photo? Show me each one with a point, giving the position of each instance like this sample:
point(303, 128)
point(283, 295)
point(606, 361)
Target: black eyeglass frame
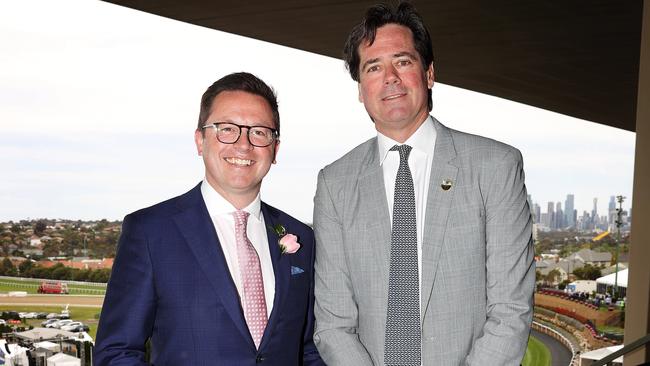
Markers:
point(215, 125)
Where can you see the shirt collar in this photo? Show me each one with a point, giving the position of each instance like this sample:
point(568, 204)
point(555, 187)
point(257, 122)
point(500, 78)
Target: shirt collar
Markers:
point(420, 140)
point(217, 205)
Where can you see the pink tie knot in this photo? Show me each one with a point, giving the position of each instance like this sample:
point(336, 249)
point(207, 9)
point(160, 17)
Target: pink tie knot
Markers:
point(241, 218)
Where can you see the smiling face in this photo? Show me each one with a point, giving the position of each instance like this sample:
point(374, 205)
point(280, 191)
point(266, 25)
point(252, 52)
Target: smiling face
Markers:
point(236, 170)
point(393, 85)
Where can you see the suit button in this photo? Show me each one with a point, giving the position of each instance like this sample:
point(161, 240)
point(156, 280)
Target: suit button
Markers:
point(259, 359)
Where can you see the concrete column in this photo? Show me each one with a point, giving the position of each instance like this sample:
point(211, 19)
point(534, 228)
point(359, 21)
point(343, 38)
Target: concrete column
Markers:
point(637, 317)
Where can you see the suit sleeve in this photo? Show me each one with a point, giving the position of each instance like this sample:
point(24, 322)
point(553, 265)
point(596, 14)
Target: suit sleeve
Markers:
point(336, 310)
point(510, 269)
point(311, 357)
point(128, 312)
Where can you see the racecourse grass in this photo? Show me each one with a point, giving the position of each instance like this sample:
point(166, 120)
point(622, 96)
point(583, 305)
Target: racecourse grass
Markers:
point(31, 287)
point(537, 354)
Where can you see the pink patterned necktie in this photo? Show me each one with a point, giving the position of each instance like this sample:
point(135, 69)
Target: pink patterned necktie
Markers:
point(251, 277)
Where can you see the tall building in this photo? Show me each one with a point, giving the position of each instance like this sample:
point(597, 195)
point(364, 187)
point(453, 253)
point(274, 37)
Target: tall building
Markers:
point(550, 215)
point(559, 216)
point(537, 213)
point(569, 211)
point(612, 210)
point(594, 214)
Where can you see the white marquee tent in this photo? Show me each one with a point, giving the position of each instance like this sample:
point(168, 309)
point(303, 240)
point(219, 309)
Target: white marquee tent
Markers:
point(610, 278)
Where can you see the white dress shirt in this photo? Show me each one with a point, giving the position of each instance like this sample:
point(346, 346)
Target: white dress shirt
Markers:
point(423, 143)
point(221, 213)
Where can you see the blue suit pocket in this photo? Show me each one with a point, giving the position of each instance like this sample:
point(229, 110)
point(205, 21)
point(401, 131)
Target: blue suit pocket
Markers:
point(296, 270)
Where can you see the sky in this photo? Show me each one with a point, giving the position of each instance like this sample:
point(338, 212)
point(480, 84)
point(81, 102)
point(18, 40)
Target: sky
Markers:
point(98, 106)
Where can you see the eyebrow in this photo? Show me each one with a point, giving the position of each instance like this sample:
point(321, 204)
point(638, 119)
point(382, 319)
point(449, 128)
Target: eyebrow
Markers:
point(395, 55)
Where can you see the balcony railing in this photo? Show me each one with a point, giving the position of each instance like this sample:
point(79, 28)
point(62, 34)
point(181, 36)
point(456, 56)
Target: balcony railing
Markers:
point(623, 351)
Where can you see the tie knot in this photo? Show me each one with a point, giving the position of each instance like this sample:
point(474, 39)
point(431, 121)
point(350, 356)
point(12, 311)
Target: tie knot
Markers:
point(241, 218)
point(404, 151)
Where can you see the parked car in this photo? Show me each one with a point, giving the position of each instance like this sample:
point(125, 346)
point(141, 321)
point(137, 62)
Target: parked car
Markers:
point(52, 316)
point(70, 326)
point(30, 315)
point(10, 315)
point(59, 324)
point(49, 321)
point(41, 315)
point(3, 322)
point(80, 328)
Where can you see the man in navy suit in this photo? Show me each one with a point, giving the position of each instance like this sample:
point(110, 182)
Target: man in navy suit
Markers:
point(216, 276)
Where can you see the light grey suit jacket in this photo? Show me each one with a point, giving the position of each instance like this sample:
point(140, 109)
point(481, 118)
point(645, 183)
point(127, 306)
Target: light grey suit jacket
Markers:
point(477, 256)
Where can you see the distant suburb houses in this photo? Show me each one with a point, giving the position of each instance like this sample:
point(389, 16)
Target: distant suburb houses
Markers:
point(568, 265)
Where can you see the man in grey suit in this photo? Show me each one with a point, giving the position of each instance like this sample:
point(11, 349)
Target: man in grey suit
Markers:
point(458, 258)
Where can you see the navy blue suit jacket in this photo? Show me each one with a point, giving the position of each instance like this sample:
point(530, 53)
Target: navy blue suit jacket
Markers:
point(170, 282)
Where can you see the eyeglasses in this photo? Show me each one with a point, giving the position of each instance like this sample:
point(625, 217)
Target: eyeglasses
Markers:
point(229, 133)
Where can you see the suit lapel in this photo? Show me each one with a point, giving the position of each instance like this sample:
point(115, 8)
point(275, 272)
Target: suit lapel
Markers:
point(197, 228)
point(437, 209)
point(375, 209)
point(281, 269)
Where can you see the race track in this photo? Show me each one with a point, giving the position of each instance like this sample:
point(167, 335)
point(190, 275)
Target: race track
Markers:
point(560, 355)
point(44, 300)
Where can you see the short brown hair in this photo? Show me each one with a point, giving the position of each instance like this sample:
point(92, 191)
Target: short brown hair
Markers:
point(239, 81)
point(379, 15)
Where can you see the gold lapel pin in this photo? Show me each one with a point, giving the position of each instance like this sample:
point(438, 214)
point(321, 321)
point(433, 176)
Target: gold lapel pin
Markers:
point(446, 184)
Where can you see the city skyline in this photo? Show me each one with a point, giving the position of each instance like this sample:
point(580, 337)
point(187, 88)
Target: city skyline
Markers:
point(557, 218)
point(97, 121)
point(626, 203)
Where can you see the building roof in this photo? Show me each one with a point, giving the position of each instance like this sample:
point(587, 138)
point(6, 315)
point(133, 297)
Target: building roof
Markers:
point(588, 255)
point(568, 265)
point(40, 334)
point(599, 354)
point(550, 56)
point(611, 269)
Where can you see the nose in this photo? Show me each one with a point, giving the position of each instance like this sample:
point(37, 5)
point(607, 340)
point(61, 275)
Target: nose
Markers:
point(391, 76)
point(243, 142)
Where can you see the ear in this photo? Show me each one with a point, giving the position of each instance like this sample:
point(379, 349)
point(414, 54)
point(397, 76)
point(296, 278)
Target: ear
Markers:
point(198, 140)
point(430, 76)
point(275, 151)
point(360, 95)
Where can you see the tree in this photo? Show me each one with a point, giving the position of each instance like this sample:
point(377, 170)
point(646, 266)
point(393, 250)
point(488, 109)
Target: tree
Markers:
point(25, 268)
point(61, 272)
point(563, 284)
point(81, 275)
point(101, 225)
point(7, 268)
point(100, 275)
point(39, 227)
point(587, 272)
point(15, 228)
point(553, 276)
point(51, 249)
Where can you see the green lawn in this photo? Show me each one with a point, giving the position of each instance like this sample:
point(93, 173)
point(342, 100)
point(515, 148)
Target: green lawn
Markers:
point(31, 286)
point(86, 315)
point(536, 354)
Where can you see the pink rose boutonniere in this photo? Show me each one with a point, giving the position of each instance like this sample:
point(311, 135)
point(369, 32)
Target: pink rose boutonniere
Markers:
point(288, 242)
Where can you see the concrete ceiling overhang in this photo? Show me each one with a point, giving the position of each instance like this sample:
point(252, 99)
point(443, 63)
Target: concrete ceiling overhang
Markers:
point(579, 58)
